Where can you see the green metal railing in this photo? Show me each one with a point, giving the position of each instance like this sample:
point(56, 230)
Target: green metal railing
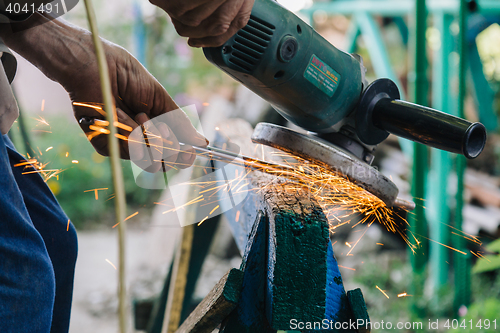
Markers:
point(429, 180)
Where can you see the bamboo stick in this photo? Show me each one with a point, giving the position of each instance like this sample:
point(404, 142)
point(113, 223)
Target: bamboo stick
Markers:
point(116, 170)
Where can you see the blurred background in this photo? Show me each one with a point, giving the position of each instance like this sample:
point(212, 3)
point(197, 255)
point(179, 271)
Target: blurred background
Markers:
point(382, 36)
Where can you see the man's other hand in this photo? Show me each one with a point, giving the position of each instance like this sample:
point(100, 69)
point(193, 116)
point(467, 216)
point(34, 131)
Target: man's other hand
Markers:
point(207, 23)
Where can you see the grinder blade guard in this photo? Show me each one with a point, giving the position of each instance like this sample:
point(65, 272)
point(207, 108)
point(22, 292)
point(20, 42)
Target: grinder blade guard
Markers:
point(322, 90)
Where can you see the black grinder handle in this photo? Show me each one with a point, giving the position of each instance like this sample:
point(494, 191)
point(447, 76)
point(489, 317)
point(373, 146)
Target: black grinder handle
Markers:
point(430, 127)
point(382, 112)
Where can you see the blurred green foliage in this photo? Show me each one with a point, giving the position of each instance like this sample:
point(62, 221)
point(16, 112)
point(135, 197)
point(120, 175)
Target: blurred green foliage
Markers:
point(92, 171)
point(486, 304)
point(491, 262)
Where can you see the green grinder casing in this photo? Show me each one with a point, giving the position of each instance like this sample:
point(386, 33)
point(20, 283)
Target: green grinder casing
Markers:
point(282, 59)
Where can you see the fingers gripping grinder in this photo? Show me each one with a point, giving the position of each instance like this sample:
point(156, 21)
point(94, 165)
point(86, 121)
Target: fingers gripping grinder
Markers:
point(322, 90)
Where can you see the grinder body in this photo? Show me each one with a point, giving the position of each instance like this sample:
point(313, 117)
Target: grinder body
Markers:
point(281, 58)
point(321, 89)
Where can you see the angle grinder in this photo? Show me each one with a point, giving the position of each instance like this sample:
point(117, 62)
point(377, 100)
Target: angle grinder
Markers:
point(323, 90)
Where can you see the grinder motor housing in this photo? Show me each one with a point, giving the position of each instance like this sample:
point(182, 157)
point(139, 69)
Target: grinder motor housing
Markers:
point(322, 90)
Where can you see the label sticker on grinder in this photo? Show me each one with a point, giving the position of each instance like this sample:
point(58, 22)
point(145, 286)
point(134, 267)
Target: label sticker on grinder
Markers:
point(322, 76)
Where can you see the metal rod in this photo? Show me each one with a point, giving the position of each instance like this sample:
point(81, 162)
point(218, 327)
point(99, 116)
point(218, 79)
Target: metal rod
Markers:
point(251, 162)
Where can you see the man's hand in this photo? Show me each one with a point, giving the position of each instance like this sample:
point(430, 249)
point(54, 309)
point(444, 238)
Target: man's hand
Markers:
point(207, 23)
point(139, 97)
point(66, 55)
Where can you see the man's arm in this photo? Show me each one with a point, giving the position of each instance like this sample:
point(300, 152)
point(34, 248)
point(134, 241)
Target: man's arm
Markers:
point(65, 54)
point(207, 22)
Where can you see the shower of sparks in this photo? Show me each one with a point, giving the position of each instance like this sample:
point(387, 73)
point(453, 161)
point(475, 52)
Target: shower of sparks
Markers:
point(449, 247)
point(109, 262)
point(41, 121)
point(383, 292)
point(479, 255)
point(95, 190)
point(342, 201)
point(32, 165)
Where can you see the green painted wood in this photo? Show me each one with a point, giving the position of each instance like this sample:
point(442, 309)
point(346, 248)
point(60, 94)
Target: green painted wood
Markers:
point(297, 265)
point(359, 310)
point(249, 315)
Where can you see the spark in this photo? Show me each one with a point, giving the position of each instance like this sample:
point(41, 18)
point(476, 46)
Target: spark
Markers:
point(75, 162)
point(67, 153)
point(32, 165)
point(109, 262)
point(206, 104)
point(99, 129)
point(204, 219)
point(213, 210)
point(383, 292)
point(349, 245)
point(67, 227)
point(41, 121)
point(92, 106)
point(380, 244)
point(46, 150)
point(43, 105)
point(349, 253)
point(449, 247)
point(95, 190)
point(131, 216)
point(479, 255)
point(237, 216)
point(352, 269)
point(404, 295)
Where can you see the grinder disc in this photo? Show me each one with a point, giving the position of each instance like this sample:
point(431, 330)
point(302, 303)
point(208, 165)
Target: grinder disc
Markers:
point(332, 157)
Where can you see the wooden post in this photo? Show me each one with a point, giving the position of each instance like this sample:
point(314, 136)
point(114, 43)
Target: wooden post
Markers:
point(216, 305)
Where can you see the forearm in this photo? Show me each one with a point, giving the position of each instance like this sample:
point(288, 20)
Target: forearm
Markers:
point(56, 47)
